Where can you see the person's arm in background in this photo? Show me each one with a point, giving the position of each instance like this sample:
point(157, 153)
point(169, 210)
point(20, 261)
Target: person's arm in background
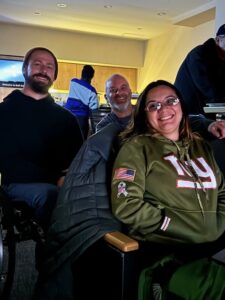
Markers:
point(93, 101)
point(206, 127)
point(217, 128)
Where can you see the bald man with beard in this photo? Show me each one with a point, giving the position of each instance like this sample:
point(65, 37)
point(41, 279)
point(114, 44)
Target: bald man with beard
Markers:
point(118, 96)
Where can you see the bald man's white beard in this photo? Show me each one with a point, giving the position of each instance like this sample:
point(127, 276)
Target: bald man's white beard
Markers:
point(122, 107)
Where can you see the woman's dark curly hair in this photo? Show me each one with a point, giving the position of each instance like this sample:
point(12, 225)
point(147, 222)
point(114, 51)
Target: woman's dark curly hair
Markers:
point(139, 123)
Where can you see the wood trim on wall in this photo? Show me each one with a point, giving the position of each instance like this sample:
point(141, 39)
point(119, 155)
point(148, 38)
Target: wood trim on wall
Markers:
point(67, 71)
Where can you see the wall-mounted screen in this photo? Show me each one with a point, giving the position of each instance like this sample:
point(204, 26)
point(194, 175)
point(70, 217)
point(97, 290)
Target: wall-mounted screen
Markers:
point(11, 72)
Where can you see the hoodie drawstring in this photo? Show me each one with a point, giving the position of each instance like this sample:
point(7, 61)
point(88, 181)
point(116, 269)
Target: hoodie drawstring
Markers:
point(187, 164)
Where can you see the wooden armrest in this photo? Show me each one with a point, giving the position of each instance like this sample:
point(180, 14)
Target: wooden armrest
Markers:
point(121, 241)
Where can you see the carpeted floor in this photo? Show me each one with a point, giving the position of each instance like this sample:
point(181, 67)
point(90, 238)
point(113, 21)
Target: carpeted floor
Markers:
point(25, 273)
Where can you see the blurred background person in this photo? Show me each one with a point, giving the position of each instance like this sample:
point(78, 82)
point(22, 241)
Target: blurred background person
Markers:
point(82, 99)
point(201, 76)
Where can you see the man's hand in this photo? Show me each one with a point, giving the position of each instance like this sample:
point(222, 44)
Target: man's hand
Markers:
point(217, 128)
point(60, 181)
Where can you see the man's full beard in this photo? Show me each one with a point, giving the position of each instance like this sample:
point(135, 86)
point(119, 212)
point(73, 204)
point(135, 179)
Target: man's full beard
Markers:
point(37, 86)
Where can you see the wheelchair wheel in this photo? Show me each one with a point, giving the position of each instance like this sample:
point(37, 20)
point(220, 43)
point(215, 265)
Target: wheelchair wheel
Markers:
point(7, 251)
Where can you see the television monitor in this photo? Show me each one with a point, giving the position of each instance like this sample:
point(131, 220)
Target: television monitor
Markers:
point(11, 73)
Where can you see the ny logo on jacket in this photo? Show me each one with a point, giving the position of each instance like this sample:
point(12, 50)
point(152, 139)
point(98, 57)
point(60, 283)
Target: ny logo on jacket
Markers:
point(199, 166)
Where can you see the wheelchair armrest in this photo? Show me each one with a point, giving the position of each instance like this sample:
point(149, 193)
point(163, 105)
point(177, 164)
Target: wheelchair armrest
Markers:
point(121, 241)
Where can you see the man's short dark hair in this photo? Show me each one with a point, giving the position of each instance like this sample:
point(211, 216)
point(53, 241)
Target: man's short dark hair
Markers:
point(87, 72)
point(31, 51)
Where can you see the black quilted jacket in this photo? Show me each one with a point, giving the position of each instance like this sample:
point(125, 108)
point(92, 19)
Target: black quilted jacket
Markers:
point(83, 213)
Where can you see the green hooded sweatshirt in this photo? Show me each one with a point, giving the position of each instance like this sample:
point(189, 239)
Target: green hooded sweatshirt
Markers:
point(168, 192)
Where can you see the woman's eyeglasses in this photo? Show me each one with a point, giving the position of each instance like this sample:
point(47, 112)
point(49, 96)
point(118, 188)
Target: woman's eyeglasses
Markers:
point(154, 105)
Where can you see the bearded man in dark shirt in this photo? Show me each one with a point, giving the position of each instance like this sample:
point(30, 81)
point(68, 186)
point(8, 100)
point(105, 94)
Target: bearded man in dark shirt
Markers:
point(39, 138)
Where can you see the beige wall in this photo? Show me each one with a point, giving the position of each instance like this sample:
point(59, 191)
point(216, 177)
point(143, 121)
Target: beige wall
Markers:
point(84, 48)
point(159, 58)
point(165, 53)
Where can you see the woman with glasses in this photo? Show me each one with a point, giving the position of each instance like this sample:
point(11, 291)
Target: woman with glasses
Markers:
point(166, 186)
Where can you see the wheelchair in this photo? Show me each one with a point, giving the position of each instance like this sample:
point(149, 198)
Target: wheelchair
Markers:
point(16, 224)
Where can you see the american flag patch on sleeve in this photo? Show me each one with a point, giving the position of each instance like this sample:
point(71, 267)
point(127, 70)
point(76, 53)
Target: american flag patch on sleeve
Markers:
point(124, 174)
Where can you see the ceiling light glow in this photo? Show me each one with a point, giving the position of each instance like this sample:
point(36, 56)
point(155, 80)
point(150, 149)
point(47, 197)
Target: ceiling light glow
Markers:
point(161, 13)
point(61, 5)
